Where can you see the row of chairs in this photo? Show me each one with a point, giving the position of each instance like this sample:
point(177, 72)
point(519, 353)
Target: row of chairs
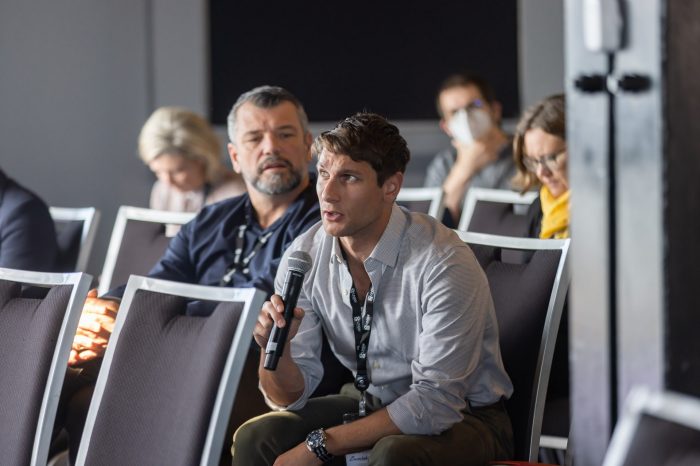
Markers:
point(492, 211)
point(505, 269)
point(485, 211)
point(166, 385)
point(139, 239)
point(173, 409)
point(512, 264)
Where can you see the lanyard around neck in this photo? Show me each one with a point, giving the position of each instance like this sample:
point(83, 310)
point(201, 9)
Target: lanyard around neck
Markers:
point(362, 326)
point(240, 263)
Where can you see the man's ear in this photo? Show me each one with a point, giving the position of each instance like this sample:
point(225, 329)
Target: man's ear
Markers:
point(392, 186)
point(233, 155)
point(496, 111)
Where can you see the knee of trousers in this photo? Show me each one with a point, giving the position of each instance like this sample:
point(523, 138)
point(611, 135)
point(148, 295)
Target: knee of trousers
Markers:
point(269, 431)
point(394, 450)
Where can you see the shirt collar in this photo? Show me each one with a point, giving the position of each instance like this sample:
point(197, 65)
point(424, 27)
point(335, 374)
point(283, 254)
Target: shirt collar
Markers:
point(387, 249)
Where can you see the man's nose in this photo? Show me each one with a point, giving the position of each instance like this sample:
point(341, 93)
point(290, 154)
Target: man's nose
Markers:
point(328, 191)
point(270, 144)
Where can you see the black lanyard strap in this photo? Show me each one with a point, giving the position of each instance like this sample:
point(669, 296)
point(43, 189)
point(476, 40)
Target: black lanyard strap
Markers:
point(242, 264)
point(362, 326)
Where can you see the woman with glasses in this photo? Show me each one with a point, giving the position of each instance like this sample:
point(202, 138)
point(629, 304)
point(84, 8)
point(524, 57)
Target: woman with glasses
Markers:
point(539, 149)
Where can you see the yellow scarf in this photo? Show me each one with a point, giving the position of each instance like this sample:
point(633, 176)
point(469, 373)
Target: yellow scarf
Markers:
point(555, 215)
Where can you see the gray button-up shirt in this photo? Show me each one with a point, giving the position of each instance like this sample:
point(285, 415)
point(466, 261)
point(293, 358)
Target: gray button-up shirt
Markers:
point(434, 341)
point(496, 175)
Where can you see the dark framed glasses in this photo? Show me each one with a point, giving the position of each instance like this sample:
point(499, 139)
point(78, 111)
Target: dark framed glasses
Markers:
point(550, 162)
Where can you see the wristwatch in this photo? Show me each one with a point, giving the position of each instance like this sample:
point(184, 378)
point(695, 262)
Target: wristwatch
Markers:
point(316, 443)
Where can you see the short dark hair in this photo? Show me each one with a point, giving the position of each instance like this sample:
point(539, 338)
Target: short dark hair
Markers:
point(266, 97)
point(368, 137)
point(464, 79)
point(549, 115)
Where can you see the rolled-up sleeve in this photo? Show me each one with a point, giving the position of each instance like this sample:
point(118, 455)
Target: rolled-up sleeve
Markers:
point(456, 309)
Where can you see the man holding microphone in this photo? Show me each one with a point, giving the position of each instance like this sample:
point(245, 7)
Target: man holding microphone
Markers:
point(405, 307)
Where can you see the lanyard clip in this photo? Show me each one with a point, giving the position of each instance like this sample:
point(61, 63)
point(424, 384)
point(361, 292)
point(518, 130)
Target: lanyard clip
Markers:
point(362, 411)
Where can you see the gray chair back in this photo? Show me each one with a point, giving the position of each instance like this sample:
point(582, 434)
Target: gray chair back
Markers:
point(426, 200)
point(496, 212)
point(528, 280)
point(75, 233)
point(656, 428)
point(39, 313)
point(138, 241)
point(168, 380)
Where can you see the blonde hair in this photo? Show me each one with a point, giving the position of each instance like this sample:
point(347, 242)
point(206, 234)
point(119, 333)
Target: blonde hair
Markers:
point(549, 115)
point(177, 130)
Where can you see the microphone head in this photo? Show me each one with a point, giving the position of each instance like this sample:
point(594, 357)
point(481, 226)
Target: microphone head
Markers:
point(299, 261)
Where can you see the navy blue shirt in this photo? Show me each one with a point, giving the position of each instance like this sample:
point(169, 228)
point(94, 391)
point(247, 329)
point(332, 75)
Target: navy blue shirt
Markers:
point(27, 233)
point(204, 248)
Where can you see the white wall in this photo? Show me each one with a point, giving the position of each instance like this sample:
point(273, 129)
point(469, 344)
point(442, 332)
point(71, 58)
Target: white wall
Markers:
point(540, 49)
point(77, 80)
point(73, 93)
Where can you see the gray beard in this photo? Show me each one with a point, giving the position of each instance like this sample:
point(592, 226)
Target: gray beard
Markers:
point(281, 183)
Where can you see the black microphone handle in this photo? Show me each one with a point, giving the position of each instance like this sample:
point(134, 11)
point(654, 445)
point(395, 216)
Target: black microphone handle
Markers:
point(278, 336)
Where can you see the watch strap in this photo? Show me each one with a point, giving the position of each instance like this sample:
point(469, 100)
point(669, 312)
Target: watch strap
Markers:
point(319, 449)
point(322, 454)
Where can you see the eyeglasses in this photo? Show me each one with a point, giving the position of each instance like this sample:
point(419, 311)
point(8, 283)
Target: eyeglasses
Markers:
point(471, 106)
point(550, 162)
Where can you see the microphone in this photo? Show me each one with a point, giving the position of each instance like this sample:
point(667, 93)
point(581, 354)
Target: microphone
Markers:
point(298, 263)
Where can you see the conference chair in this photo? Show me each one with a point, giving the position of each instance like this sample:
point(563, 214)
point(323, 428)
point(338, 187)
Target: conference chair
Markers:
point(656, 428)
point(528, 280)
point(427, 200)
point(39, 314)
point(496, 212)
point(168, 380)
point(139, 239)
point(75, 233)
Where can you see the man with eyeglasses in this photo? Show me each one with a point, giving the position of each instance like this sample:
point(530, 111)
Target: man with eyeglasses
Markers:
point(481, 153)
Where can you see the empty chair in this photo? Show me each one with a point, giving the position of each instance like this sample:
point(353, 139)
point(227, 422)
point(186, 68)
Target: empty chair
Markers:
point(139, 239)
point(426, 200)
point(497, 212)
point(39, 313)
point(528, 280)
point(168, 380)
point(75, 233)
point(656, 428)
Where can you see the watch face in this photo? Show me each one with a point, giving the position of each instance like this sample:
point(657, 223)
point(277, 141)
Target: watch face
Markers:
point(315, 439)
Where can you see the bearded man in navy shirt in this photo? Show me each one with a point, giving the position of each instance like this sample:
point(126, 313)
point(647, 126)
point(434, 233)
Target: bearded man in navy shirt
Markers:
point(271, 147)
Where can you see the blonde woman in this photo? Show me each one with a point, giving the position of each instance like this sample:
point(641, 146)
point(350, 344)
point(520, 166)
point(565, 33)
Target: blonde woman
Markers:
point(182, 150)
point(539, 149)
